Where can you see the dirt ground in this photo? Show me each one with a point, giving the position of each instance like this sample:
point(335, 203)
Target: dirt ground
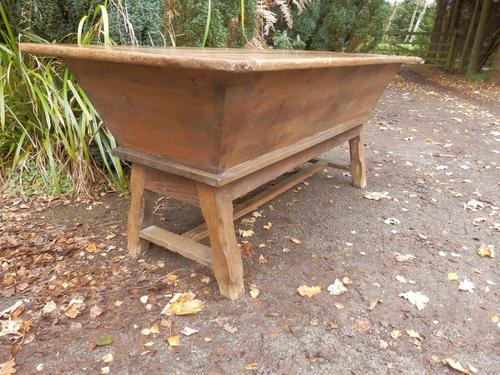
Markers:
point(432, 144)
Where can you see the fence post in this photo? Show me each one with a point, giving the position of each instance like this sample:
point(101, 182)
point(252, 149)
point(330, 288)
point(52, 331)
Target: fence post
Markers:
point(450, 58)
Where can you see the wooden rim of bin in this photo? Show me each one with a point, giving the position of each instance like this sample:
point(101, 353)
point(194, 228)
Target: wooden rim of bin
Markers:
point(220, 59)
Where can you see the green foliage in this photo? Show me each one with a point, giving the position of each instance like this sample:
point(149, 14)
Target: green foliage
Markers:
point(337, 25)
point(401, 21)
point(49, 130)
point(137, 22)
point(225, 24)
point(281, 40)
point(49, 19)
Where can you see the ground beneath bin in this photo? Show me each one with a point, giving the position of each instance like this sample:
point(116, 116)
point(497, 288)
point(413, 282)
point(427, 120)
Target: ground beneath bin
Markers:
point(432, 145)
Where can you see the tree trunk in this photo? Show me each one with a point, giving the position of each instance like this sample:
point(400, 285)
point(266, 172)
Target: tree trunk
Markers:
point(468, 38)
point(452, 28)
point(438, 26)
point(410, 28)
point(419, 19)
point(495, 69)
point(393, 14)
point(472, 67)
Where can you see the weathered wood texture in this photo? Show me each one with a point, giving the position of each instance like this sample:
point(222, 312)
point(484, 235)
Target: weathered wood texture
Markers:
point(206, 126)
point(218, 111)
point(358, 166)
point(140, 212)
point(178, 244)
point(216, 59)
point(201, 231)
point(217, 210)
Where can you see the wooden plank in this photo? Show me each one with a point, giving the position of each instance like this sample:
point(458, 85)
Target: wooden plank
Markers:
point(215, 59)
point(256, 201)
point(358, 166)
point(227, 265)
point(248, 183)
point(171, 185)
point(306, 145)
point(331, 164)
point(178, 244)
point(140, 212)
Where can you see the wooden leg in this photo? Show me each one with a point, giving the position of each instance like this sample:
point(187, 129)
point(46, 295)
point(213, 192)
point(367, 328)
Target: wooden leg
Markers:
point(358, 166)
point(217, 209)
point(140, 214)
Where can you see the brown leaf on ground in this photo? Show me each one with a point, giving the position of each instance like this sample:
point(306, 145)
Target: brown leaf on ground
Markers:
point(309, 291)
point(183, 304)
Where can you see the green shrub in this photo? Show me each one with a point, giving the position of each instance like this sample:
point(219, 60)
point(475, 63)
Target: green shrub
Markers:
point(53, 20)
point(336, 25)
point(137, 22)
point(225, 23)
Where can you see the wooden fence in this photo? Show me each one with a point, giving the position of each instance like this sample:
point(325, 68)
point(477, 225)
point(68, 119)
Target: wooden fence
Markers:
point(437, 49)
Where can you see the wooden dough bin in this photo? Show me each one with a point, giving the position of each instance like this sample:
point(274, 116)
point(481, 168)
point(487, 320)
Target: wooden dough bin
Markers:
point(206, 126)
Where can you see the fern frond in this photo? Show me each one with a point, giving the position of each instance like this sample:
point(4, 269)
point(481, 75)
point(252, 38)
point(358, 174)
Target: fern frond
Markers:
point(286, 10)
point(301, 4)
point(267, 17)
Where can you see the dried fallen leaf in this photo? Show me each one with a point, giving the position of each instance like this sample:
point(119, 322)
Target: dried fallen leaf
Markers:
point(396, 334)
point(267, 226)
point(337, 288)
point(174, 341)
point(474, 205)
point(418, 299)
point(95, 311)
point(49, 307)
point(251, 366)
point(414, 334)
point(295, 240)
point(229, 328)
point(254, 292)
point(466, 286)
point(171, 277)
point(452, 276)
point(154, 329)
point(8, 368)
point(392, 221)
point(188, 331)
point(382, 344)
point(361, 325)
point(401, 279)
point(404, 257)
point(346, 280)
point(108, 358)
point(309, 291)
point(373, 303)
point(91, 248)
point(74, 308)
point(183, 304)
point(485, 250)
point(376, 196)
point(246, 233)
point(456, 365)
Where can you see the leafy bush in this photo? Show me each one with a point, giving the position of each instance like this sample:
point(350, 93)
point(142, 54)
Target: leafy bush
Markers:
point(137, 22)
point(337, 25)
point(49, 19)
point(225, 28)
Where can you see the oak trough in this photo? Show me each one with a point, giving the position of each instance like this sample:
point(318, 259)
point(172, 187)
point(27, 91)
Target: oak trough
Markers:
point(206, 126)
